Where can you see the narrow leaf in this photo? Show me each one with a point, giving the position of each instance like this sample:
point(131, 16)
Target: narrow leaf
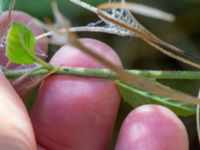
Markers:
point(136, 97)
point(20, 44)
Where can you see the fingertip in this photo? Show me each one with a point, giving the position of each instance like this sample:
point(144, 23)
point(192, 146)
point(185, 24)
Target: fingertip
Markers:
point(152, 127)
point(68, 52)
point(100, 47)
point(81, 109)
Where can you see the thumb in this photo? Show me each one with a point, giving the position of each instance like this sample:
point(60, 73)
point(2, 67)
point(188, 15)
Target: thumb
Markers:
point(15, 128)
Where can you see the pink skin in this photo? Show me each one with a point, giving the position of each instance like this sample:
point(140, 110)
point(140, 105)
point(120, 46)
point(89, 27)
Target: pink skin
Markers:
point(41, 47)
point(152, 127)
point(16, 132)
point(76, 113)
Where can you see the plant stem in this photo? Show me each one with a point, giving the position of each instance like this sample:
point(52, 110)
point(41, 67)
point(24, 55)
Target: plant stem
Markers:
point(106, 73)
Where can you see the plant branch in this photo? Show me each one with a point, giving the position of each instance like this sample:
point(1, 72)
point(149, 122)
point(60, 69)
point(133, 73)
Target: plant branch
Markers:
point(106, 73)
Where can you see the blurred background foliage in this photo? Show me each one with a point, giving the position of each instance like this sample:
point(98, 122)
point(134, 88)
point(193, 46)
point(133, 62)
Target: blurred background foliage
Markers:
point(135, 54)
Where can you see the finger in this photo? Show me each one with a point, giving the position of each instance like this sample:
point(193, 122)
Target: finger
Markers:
point(73, 112)
point(152, 127)
point(15, 128)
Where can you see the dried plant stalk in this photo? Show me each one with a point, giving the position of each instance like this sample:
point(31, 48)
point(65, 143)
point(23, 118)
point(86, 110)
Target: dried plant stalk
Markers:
point(139, 31)
point(142, 10)
point(29, 86)
point(12, 4)
point(134, 28)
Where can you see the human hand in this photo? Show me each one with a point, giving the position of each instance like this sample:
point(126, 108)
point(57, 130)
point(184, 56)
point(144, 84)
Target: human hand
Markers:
point(66, 119)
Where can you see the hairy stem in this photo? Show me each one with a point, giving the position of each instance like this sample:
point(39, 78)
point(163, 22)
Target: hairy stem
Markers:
point(106, 73)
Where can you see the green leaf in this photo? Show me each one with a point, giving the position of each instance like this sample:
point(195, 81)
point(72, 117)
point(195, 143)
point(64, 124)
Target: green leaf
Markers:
point(137, 97)
point(20, 44)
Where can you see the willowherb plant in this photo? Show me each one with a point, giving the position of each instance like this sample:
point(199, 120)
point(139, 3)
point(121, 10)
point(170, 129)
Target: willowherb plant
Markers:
point(115, 17)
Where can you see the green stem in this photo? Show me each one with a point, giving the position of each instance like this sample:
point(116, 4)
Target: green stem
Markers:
point(44, 64)
point(106, 73)
point(40, 61)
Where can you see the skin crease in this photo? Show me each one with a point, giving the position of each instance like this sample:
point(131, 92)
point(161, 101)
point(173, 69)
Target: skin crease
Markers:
point(152, 127)
point(16, 131)
point(76, 113)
